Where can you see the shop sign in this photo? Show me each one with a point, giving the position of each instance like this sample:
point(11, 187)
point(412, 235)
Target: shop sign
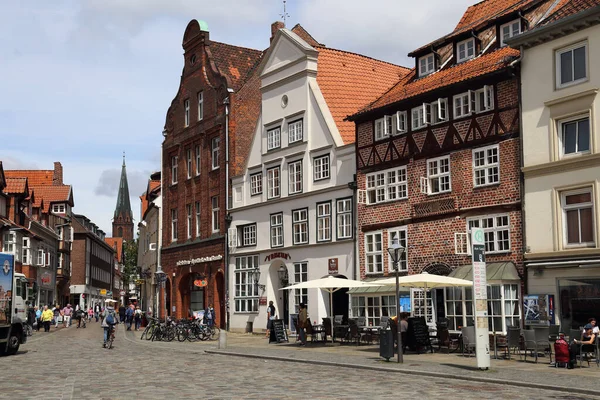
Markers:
point(46, 278)
point(102, 292)
point(273, 256)
point(109, 293)
point(199, 260)
point(200, 283)
point(122, 293)
point(333, 266)
point(262, 301)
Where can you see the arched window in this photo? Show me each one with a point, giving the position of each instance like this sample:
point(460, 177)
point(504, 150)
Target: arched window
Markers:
point(120, 234)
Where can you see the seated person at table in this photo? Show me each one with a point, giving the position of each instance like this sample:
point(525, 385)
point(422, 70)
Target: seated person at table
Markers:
point(587, 341)
point(595, 328)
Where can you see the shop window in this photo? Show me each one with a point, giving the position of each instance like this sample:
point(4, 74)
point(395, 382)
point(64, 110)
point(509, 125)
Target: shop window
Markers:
point(246, 290)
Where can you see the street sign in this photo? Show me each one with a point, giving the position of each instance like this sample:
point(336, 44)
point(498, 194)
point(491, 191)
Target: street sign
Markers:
point(480, 295)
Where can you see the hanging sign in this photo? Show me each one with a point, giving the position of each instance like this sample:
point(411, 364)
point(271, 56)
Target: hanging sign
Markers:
point(102, 292)
point(273, 256)
point(333, 266)
point(200, 283)
point(46, 278)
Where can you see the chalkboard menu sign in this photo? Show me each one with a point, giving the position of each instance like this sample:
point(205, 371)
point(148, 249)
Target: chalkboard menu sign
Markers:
point(417, 335)
point(278, 332)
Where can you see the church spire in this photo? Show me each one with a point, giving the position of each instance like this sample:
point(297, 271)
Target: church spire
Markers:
point(123, 218)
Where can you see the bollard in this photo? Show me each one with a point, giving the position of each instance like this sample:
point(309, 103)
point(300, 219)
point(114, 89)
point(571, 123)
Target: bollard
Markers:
point(222, 340)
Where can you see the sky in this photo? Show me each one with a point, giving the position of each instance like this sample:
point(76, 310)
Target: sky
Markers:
point(83, 81)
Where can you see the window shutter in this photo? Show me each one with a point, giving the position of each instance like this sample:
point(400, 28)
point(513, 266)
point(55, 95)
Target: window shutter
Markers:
point(442, 110)
point(47, 259)
point(401, 121)
point(232, 235)
point(362, 196)
point(471, 102)
point(424, 185)
point(460, 243)
point(488, 97)
point(426, 113)
point(386, 127)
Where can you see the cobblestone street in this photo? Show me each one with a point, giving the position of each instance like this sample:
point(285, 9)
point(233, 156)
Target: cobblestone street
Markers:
point(71, 364)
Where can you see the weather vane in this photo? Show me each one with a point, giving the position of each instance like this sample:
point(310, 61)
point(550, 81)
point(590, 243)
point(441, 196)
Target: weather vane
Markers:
point(285, 15)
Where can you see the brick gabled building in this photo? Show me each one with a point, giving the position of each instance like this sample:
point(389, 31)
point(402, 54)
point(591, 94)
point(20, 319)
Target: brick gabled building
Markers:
point(438, 154)
point(216, 100)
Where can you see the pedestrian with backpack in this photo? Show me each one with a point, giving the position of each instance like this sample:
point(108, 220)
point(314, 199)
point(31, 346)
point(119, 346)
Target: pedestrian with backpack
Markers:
point(129, 316)
point(270, 317)
point(109, 319)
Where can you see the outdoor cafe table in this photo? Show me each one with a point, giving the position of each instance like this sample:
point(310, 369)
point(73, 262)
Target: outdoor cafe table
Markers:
point(370, 332)
point(319, 329)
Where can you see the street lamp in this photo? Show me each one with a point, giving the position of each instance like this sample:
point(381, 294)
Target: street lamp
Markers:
point(256, 276)
point(283, 275)
point(396, 251)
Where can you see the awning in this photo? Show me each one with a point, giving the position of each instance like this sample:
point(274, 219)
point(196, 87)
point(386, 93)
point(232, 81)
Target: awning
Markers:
point(376, 289)
point(499, 271)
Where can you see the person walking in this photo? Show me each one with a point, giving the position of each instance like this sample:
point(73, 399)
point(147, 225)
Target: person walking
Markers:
point(137, 318)
point(97, 311)
point(56, 311)
point(129, 316)
point(270, 317)
point(38, 318)
point(209, 315)
point(90, 314)
point(302, 321)
point(67, 312)
point(47, 316)
point(109, 319)
point(122, 313)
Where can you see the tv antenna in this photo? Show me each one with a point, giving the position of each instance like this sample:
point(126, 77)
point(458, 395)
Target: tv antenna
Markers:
point(285, 15)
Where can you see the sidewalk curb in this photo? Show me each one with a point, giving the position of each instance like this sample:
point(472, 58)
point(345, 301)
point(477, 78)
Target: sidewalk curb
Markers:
point(528, 385)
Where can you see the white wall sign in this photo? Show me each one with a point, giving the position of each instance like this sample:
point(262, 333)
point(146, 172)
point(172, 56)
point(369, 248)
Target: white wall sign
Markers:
point(199, 260)
point(482, 341)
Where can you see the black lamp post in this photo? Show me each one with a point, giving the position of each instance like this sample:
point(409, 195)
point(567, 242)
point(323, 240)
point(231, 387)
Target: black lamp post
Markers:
point(396, 251)
point(256, 276)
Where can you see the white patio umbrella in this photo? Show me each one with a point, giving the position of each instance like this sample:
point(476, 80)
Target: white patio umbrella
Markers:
point(426, 281)
point(331, 284)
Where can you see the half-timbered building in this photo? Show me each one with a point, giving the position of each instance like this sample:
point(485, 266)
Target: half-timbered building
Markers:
point(439, 154)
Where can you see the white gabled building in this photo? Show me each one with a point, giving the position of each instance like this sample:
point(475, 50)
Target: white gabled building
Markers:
point(293, 209)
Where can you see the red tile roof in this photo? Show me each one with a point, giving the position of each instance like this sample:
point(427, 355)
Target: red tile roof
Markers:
point(350, 81)
point(2, 177)
point(304, 35)
point(52, 194)
point(36, 177)
point(478, 15)
point(16, 186)
point(234, 62)
point(570, 7)
point(117, 245)
point(410, 87)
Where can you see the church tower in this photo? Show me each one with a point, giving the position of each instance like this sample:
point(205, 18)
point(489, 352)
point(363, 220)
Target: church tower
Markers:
point(123, 219)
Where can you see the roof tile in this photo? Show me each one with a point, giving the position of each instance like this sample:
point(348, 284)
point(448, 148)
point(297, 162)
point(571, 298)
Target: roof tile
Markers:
point(36, 177)
point(570, 7)
point(16, 185)
point(51, 194)
point(235, 62)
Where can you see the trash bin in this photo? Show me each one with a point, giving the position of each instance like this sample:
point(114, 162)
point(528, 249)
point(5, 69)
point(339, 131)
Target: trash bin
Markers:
point(249, 327)
point(386, 344)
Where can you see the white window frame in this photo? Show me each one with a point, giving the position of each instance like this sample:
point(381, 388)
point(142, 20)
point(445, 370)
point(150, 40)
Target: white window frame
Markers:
point(189, 220)
point(387, 185)
point(300, 275)
point(274, 138)
point(215, 208)
point(174, 169)
point(186, 113)
point(511, 31)
point(344, 219)
point(437, 175)
point(426, 65)
point(321, 168)
point(418, 118)
point(300, 226)
point(295, 177)
point(466, 56)
point(401, 122)
point(558, 67)
point(276, 229)
point(561, 132)
point(295, 131)
point(174, 225)
point(488, 99)
point(273, 182)
point(462, 105)
point(384, 127)
point(198, 160)
point(495, 235)
point(324, 221)
point(200, 106)
point(26, 246)
point(403, 241)
point(58, 208)
point(436, 112)
point(246, 290)
point(256, 186)
point(215, 144)
point(198, 216)
point(189, 163)
point(489, 169)
point(373, 253)
point(578, 206)
point(248, 235)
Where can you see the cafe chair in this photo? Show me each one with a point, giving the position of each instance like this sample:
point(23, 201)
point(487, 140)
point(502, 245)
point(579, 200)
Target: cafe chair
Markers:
point(468, 340)
point(588, 352)
point(553, 332)
point(575, 334)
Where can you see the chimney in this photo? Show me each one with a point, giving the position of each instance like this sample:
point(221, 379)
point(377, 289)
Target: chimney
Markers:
point(275, 26)
point(57, 178)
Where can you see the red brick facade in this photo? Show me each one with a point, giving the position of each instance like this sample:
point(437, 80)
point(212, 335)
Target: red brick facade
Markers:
point(215, 70)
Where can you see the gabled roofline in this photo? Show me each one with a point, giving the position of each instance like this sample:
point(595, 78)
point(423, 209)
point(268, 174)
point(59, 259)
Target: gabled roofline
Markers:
point(307, 49)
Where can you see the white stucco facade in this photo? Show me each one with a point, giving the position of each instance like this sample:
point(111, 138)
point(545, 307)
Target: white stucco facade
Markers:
point(561, 157)
point(300, 217)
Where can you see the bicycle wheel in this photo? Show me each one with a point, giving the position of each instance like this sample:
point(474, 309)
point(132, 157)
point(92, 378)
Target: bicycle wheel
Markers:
point(170, 334)
point(28, 330)
point(146, 334)
point(214, 333)
point(182, 333)
point(156, 334)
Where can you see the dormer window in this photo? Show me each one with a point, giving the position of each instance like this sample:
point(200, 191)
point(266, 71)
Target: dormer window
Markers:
point(426, 65)
point(509, 30)
point(465, 50)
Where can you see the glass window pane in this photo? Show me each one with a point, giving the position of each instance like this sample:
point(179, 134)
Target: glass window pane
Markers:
point(580, 65)
point(583, 137)
point(570, 138)
point(587, 225)
point(573, 226)
point(566, 67)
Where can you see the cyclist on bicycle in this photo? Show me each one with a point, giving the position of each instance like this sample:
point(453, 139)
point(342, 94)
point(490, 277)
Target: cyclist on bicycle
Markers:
point(109, 319)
